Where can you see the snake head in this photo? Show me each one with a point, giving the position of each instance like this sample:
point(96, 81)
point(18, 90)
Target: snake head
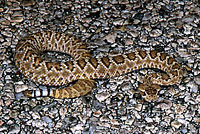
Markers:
point(149, 91)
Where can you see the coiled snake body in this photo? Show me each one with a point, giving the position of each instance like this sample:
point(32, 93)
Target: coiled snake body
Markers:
point(85, 69)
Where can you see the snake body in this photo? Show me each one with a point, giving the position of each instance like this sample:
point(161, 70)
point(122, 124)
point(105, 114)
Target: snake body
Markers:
point(85, 69)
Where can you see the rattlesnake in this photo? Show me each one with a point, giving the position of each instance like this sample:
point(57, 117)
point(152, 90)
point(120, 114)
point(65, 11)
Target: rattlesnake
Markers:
point(85, 69)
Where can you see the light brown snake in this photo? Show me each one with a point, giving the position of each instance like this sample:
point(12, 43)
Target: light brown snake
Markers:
point(85, 69)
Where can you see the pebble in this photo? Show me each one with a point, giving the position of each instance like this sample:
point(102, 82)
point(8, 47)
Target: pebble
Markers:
point(198, 98)
point(143, 38)
point(114, 122)
point(128, 41)
point(1, 122)
point(149, 126)
point(126, 86)
point(134, 33)
point(1, 9)
point(5, 22)
point(118, 22)
point(111, 37)
point(129, 121)
point(138, 107)
point(137, 115)
point(28, 2)
point(184, 131)
point(155, 33)
point(197, 80)
point(6, 33)
point(17, 19)
point(20, 88)
point(47, 119)
point(164, 105)
point(148, 119)
point(102, 96)
point(17, 14)
point(97, 113)
point(187, 29)
point(193, 86)
point(197, 120)
point(176, 124)
point(76, 129)
point(183, 121)
point(3, 129)
point(14, 129)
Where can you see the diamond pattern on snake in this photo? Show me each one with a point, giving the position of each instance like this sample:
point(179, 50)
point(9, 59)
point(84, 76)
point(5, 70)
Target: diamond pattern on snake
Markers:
point(85, 69)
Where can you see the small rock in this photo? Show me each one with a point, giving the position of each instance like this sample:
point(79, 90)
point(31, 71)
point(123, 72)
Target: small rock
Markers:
point(193, 86)
point(183, 121)
point(6, 33)
point(111, 37)
point(176, 124)
point(39, 123)
point(197, 120)
point(148, 119)
point(155, 33)
point(187, 29)
point(97, 113)
point(17, 19)
point(35, 115)
point(1, 10)
point(104, 118)
point(143, 38)
point(20, 88)
point(198, 98)
point(1, 122)
point(179, 109)
point(14, 129)
point(128, 41)
point(126, 86)
point(136, 21)
point(123, 1)
point(115, 122)
point(38, 131)
point(149, 126)
point(102, 96)
point(78, 127)
point(28, 2)
point(138, 107)
point(123, 118)
point(129, 121)
point(13, 114)
point(197, 80)
point(137, 115)
point(188, 19)
point(184, 130)
point(47, 119)
point(3, 128)
point(118, 22)
point(17, 14)
point(8, 77)
point(134, 33)
point(164, 105)
point(4, 22)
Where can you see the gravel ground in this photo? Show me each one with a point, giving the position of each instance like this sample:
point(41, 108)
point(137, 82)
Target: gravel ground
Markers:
point(108, 27)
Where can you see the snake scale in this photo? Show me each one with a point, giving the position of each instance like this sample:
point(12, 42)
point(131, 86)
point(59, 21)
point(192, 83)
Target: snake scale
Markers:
point(84, 69)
